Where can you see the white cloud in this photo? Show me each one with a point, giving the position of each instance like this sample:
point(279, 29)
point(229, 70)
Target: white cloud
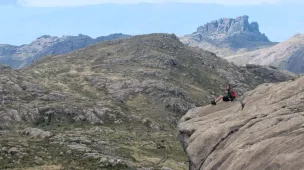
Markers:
point(52, 3)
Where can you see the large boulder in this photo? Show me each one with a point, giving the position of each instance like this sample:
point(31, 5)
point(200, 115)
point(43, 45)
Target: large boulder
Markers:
point(263, 130)
point(36, 133)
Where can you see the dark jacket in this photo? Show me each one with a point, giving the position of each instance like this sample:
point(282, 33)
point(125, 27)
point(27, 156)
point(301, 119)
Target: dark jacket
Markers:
point(230, 94)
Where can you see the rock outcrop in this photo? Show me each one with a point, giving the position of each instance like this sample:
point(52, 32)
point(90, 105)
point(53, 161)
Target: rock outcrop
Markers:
point(228, 36)
point(36, 133)
point(25, 55)
point(263, 130)
point(229, 25)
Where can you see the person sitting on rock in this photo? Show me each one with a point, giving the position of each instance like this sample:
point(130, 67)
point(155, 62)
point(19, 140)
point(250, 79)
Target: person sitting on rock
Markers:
point(231, 95)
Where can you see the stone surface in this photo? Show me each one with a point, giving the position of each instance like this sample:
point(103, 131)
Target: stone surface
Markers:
point(36, 133)
point(263, 130)
point(13, 151)
point(80, 147)
point(69, 152)
point(4, 149)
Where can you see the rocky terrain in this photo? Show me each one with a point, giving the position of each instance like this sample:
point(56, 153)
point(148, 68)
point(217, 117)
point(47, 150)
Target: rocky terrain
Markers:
point(286, 55)
point(228, 36)
point(262, 130)
point(21, 56)
point(112, 105)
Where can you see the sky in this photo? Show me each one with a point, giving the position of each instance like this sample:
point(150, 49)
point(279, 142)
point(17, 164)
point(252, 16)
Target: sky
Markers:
point(48, 3)
point(22, 21)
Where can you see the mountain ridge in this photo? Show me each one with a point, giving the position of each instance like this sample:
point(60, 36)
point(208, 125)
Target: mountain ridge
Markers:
point(22, 56)
point(285, 55)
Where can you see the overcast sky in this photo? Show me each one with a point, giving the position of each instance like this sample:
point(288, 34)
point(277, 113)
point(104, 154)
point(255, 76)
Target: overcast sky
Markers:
point(22, 21)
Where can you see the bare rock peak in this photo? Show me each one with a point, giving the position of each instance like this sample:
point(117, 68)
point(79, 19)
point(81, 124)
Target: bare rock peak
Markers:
point(228, 36)
point(230, 25)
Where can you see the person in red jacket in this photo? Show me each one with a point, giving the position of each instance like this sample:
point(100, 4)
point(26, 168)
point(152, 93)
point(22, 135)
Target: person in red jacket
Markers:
point(231, 95)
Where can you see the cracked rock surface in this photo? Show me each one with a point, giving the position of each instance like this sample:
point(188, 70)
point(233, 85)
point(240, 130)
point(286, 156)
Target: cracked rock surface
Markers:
point(266, 134)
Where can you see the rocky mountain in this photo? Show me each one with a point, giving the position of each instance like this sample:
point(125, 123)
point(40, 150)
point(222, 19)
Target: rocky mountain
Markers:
point(263, 130)
point(21, 56)
point(112, 105)
point(286, 55)
point(228, 36)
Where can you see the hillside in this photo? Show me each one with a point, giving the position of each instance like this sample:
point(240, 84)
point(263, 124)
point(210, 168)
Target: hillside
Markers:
point(286, 55)
point(21, 56)
point(263, 130)
point(228, 36)
point(112, 105)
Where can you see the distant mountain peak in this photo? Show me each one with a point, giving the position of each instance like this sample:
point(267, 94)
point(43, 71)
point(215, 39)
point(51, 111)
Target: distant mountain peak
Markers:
point(230, 25)
point(21, 56)
point(227, 36)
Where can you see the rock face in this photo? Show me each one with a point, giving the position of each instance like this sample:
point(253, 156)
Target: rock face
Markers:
point(286, 55)
point(229, 25)
point(21, 56)
point(228, 36)
point(263, 130)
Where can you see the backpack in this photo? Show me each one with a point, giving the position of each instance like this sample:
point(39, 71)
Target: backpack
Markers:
point(234, 94)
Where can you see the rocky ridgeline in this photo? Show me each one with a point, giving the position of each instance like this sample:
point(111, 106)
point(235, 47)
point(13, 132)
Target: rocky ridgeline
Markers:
point(287, 55)
point(226, 29)
point(262, 130)
point(21, 56)
point(229, 25)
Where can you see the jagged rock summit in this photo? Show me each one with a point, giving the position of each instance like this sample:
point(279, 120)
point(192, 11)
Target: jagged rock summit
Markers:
point(229, 34)
point(228, 25)
point(263, 130)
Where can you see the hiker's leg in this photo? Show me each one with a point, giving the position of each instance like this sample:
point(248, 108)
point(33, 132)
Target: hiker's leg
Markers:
point(219, 98)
